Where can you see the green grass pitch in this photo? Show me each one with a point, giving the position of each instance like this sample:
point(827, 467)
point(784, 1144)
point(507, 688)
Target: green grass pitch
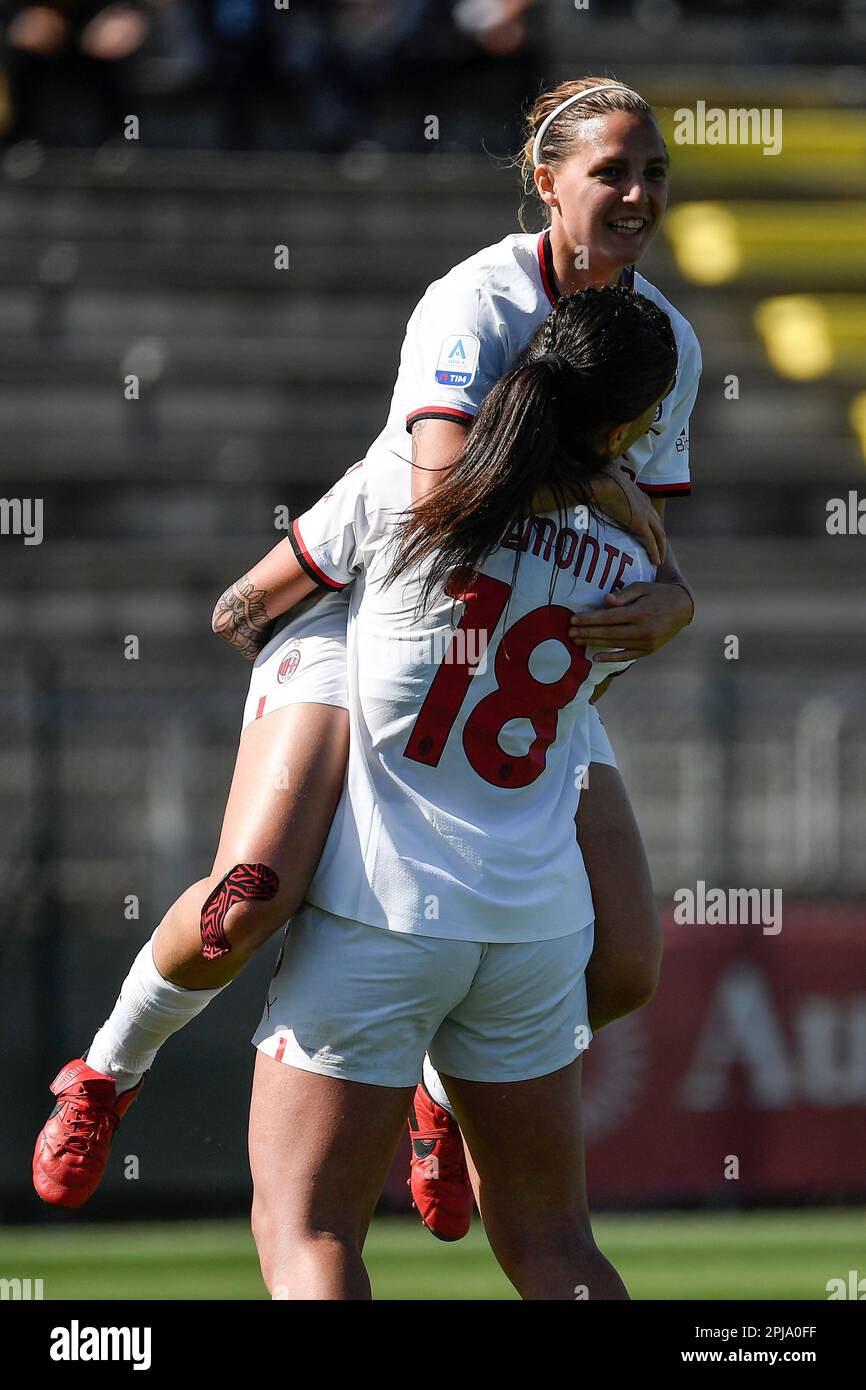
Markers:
point(739, 1255)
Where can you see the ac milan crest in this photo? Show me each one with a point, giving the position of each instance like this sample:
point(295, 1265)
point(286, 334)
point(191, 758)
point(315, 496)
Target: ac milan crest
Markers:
point(289, 665)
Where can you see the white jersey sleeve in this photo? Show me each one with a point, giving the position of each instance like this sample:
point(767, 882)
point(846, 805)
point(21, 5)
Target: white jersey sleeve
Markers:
point(328, 540)
point(455, 351)
point(664, 467)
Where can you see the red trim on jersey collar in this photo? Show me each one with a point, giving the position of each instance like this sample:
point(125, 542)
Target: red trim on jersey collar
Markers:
point(307, 563)
point(545, 265)
point(544, 252)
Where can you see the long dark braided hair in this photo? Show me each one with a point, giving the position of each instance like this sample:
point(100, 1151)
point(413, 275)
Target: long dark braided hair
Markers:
point(601, 358)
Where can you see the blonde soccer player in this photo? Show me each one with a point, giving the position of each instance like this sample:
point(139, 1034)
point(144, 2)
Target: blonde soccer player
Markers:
point(599, 166)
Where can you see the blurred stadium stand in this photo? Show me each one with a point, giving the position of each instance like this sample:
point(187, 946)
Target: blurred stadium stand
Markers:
point(259, 387)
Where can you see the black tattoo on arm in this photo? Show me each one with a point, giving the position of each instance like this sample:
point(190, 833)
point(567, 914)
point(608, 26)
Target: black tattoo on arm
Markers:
point(241, 618)
point(417, 431)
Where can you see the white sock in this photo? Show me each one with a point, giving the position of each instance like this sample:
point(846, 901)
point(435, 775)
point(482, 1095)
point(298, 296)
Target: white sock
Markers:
point(148, 1010)
point(433, 1082)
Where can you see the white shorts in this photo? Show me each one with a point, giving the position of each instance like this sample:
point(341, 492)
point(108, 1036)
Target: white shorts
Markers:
point(305, 663)
point(365, 1004)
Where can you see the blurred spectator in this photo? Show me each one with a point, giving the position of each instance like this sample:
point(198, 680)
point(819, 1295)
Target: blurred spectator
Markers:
point(498, 26)
point(316, 74)
point(333, 54)
point(344, 58)
point(84, 46)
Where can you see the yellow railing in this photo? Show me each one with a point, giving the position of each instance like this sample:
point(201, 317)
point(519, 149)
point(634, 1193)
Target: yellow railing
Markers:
point(820, 149)
point(822, 242)
point(810, 336)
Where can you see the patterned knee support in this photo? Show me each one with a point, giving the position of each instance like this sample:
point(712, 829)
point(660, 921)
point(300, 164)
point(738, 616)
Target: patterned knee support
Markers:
point(243, 881)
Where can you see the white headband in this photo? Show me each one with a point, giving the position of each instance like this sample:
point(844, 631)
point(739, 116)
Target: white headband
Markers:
point(579, 96)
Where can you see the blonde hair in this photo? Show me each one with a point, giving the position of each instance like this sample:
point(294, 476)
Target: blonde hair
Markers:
point(561, 134)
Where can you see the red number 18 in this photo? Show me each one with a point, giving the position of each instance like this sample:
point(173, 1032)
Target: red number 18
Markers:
point(518, 693)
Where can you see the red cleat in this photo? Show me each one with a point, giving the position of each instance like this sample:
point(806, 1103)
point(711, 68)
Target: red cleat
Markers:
point(439, 1178)
point(73, 1146)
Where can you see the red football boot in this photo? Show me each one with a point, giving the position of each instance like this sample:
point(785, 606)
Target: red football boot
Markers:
point(73, 1146)
point(439, 1178)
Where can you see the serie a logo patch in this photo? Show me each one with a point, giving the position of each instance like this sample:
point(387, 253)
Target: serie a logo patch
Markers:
point(458, 360)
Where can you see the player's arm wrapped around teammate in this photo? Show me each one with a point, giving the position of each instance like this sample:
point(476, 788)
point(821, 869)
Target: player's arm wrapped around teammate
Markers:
point(241, 616)
point(319, 552)
point(641, 618)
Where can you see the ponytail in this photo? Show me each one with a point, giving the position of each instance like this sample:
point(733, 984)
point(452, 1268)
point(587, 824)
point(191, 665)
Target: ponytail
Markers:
point(513, 448)
point(601, 358)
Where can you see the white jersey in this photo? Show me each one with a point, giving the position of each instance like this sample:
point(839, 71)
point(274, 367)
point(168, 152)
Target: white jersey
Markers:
point(471, 327)
point(469, 725)
point(467, 331)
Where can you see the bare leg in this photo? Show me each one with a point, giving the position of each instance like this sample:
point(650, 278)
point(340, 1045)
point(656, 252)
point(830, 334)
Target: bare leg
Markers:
point(474, 1175)
point(527, 1143)
point(320, 1149)
point(623, 970)
point(288, 778)
point(287, 782)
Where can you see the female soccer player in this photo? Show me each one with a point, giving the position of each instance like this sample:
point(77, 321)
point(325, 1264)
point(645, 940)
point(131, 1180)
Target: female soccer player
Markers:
point(599, 166)
point(450, 912)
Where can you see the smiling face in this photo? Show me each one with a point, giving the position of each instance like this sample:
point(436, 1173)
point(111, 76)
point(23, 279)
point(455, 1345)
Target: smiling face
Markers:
point(610, 193)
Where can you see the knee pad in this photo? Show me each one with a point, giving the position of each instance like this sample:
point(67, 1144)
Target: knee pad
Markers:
point(242, 882)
